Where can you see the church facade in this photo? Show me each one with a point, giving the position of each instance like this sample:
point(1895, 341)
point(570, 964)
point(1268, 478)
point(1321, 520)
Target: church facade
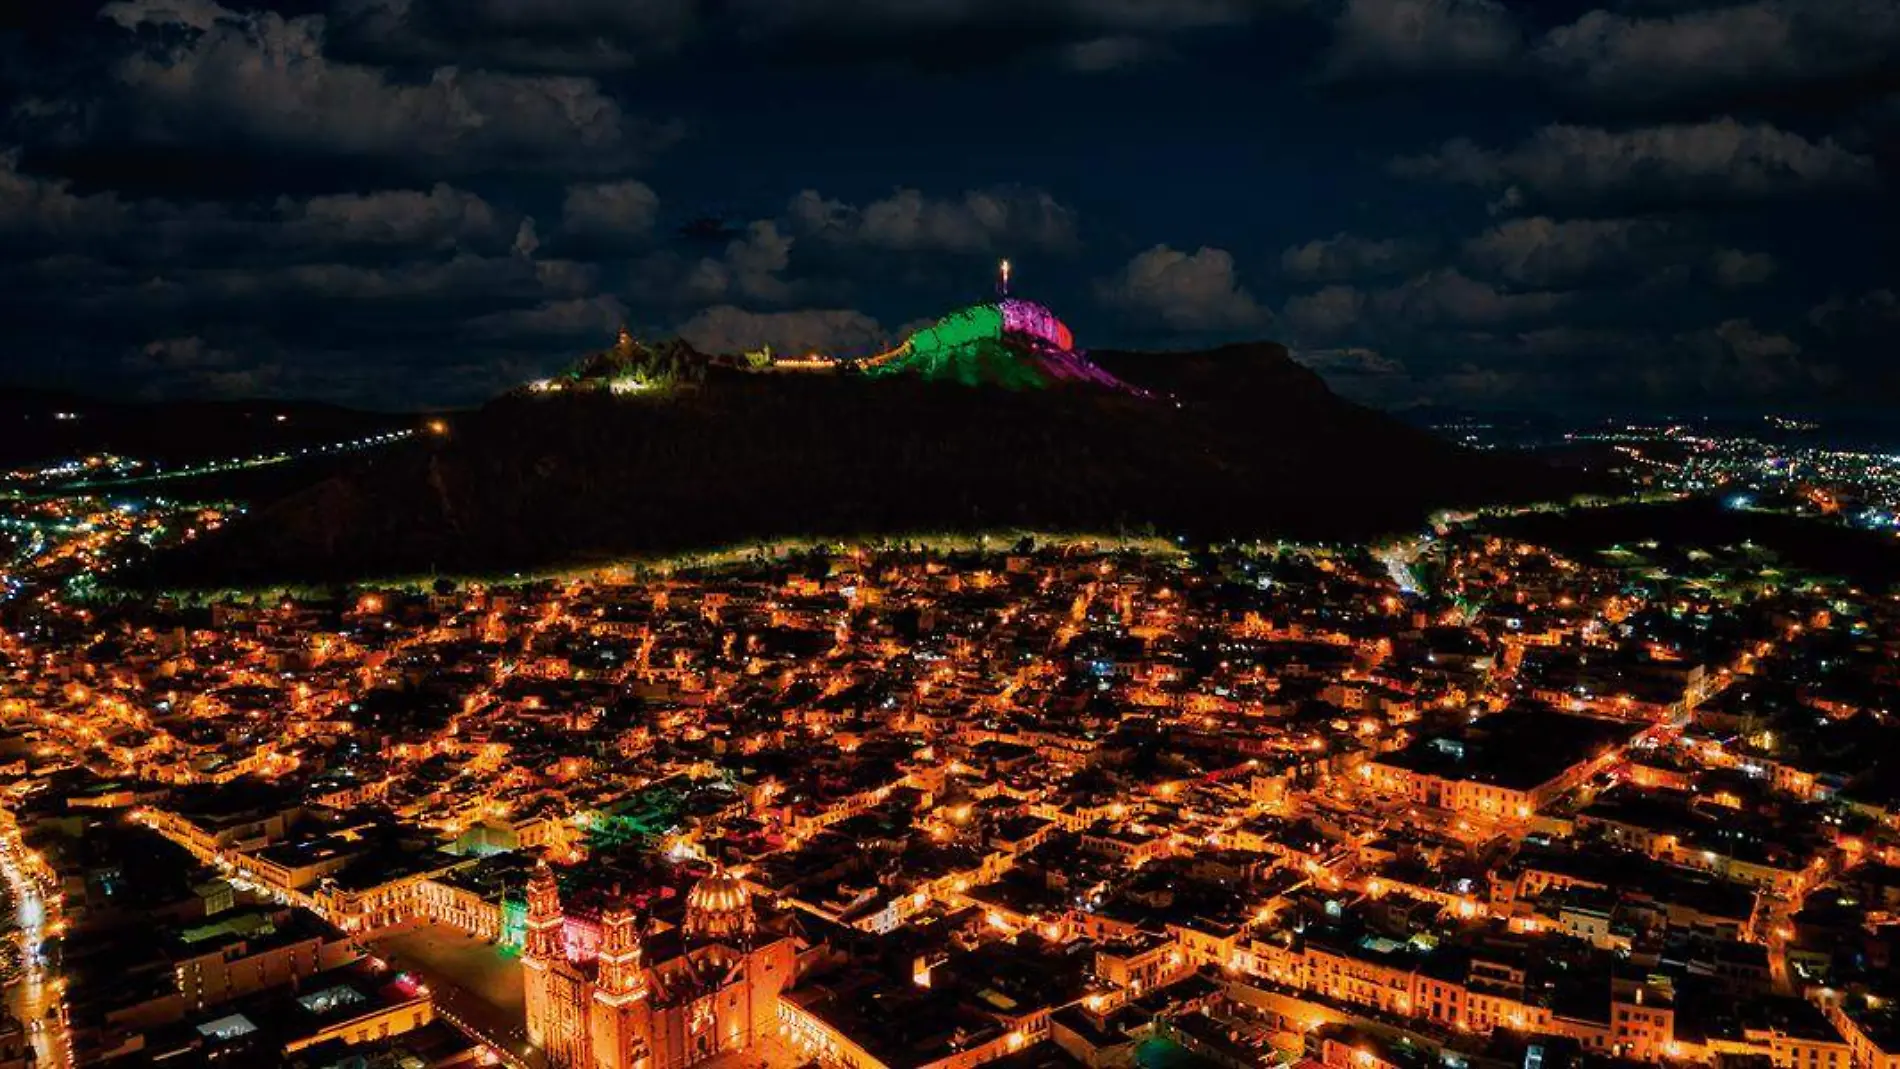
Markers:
point(653, 996)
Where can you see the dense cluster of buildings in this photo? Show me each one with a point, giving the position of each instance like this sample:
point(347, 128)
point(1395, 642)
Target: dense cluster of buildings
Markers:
point(1036, 805)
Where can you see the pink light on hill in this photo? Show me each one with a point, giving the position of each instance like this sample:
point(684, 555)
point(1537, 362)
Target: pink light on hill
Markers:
point(1028, 317)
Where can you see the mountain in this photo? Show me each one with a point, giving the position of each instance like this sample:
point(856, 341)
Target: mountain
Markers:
point(1233, 442)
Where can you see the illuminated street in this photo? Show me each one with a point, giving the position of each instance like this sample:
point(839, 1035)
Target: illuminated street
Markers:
point(37, 998)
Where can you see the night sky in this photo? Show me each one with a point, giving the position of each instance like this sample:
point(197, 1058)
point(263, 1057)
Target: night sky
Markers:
point(1628, 205)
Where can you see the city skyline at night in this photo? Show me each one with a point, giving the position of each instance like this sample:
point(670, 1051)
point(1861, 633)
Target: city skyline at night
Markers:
point(949, 534)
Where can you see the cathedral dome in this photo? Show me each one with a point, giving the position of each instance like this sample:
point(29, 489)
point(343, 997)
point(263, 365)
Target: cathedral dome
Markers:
point(718, 906)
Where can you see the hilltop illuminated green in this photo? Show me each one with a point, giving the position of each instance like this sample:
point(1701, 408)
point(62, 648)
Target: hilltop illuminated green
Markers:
point(967, 347)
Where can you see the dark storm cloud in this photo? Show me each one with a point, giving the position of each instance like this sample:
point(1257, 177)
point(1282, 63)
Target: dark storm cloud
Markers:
point(576, 320)
point(1540, 251)
point(1722, 157)
point(816, 244)
point(1113, 52)
point(468, 277)
point(1730, 361)
point(1629, 55)
point(1544, 251)
point(195, 73)
point(768, 18)
point(1738, 49)
point(1869, 322)
point(596, 36)
point(1441, 298)
point(559, 35)
point(620, 210)
point(335, 304)
point(1477, 340)
point(908, 220)
point(1735, 269)
point(44, 212)
point(440, 218)
point(1448, 297)
point(1384, 38)
point(192, 366)
point(1197, 291)
point(1326, 314)
point(1348, 256)
point(33, 206)
point(752, 267)
point(1733, 361)
point(272, 297)
point(1736, 356)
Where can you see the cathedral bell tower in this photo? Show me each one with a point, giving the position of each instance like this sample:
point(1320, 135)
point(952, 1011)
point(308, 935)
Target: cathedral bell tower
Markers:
point(553, 988)
point(542, 948)
point(544, 936)
point(620, 1012)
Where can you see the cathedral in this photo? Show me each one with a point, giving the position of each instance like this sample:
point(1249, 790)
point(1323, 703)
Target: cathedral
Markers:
point(653, 996)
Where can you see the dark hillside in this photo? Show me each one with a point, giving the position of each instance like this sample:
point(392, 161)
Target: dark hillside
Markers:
point(1239, 441)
